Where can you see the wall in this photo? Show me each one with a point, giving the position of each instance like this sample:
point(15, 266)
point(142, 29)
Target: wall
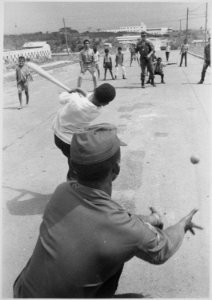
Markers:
point(36, 53)
point(197, 48)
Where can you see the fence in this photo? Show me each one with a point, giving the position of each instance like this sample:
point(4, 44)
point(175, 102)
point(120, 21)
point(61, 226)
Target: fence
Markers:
point(11, 57)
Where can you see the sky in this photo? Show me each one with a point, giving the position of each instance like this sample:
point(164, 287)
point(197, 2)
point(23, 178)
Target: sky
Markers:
point(33, 16)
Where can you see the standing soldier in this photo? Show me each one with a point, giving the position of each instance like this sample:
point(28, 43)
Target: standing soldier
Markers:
point(183, 52)
point(207, 60)
point(86, 59)
point(145, 48)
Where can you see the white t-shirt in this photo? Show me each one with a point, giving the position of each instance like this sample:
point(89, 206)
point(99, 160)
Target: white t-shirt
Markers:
point(76, 113)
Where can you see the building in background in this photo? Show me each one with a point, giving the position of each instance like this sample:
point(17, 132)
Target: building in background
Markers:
point(159, 31)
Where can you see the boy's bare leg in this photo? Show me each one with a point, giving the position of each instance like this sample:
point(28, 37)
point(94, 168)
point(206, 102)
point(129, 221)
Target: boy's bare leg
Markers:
point(94, 80)
point(105, 73)
point(20, 100)
point(111, 73)
point(79, 81)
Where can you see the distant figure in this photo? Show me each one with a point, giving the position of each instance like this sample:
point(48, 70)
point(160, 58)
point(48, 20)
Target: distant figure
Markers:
point(107, 63)
point(207, 60)
point(158, 70)
point(23, 76)
point(145, 48)
point(183, 52)
point(86, 59)
point(120, 63)
point(167, 51)
point(97, 60)
point(133, 54)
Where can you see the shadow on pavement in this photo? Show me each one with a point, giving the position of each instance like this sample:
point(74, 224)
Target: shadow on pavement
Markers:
point(128, 87)
point(131, 295)
point(12, 107)
point(196, 83)
point(33, 205)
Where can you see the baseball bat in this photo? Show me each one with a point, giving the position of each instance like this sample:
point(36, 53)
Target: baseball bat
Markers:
point(46, 75)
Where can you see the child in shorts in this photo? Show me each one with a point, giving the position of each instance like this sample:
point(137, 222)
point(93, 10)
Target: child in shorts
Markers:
point(107, 63)
point(23, 76)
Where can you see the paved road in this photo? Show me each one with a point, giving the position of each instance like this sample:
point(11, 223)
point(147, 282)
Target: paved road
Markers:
point(162, 126)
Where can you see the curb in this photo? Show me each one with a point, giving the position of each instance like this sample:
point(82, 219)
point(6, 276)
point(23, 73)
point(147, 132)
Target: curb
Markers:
point(196, 55)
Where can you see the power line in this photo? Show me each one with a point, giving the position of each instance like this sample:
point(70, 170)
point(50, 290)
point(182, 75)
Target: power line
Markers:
point(65, 35)
point(194, 9)
point(206, 21)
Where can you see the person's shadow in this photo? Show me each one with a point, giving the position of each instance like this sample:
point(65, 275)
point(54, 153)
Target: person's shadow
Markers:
point(131, 295)
point(33, 205)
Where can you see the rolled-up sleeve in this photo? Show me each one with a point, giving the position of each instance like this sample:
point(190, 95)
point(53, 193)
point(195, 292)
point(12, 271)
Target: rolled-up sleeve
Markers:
point(153, 244)
point(65, 97)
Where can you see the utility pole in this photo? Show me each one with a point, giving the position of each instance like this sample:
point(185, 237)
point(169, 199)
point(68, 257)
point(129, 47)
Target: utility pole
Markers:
point(206, 22)
point(187, 26)
point(65, 35)
point(180, 28)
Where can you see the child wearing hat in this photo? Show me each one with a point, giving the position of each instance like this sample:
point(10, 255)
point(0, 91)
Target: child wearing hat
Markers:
point(78, 110)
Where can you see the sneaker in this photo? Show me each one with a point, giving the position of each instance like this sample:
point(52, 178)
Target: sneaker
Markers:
point(162, 81)
point(124, 77)
point(200, 82)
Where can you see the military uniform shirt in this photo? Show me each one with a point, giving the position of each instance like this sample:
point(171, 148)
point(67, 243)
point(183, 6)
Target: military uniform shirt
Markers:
point(144, 48)
point(85, 237)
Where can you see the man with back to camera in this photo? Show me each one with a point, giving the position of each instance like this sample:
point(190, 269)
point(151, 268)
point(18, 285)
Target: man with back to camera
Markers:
point(146, 49)
point(86, 237)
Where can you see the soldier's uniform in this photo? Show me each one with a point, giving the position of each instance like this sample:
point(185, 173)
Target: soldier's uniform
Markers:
point(144, 47)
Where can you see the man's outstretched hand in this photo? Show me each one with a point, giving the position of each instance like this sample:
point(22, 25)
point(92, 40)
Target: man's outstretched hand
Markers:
point(188, 224)
point(157, 216)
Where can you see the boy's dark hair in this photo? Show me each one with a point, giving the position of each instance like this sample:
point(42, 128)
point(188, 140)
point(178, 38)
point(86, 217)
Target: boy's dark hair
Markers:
point(119, 48)
point(95, 49)
point(159, 58)
point(95, 172)
point(86, 41)
point(105, 93)
point(21, 58)
point(106, 50)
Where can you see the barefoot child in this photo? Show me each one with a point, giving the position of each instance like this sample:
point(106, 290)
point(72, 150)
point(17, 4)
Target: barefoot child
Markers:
point(23, 76)
point(107, 63)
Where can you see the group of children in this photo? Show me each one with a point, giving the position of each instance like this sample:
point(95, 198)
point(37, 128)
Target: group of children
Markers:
point(119, 63)
point(23, 75)
point(157, 63)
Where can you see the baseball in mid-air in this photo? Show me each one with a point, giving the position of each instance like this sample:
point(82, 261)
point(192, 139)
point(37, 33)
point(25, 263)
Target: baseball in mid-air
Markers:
point(194, 159)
